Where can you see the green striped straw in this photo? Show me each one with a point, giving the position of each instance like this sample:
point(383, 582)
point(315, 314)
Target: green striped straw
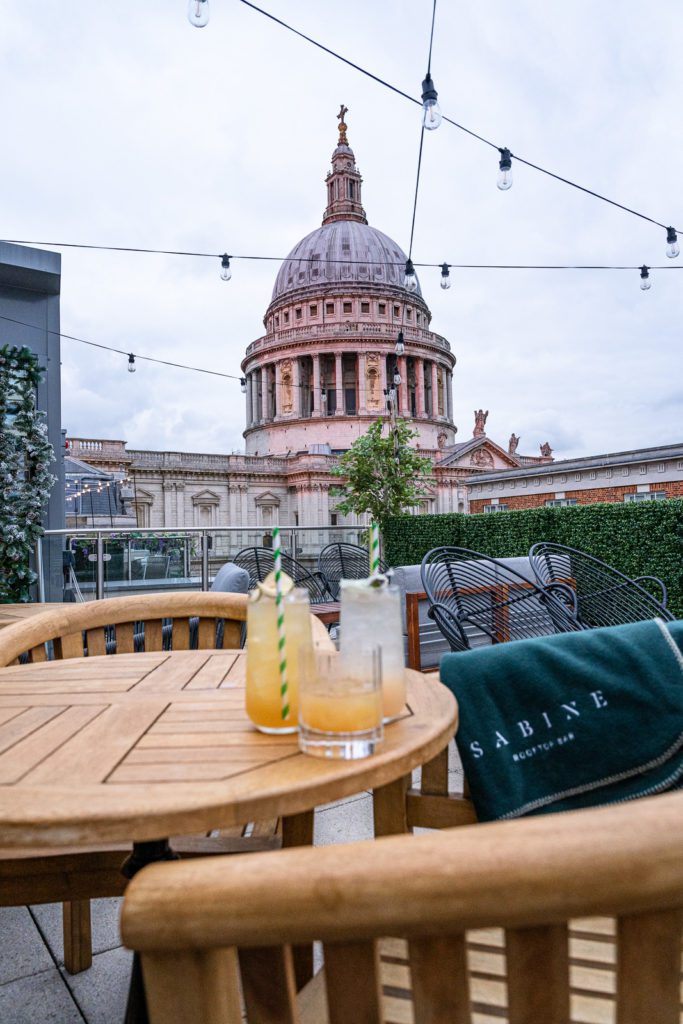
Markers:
point(280, 610)
point(374, 549)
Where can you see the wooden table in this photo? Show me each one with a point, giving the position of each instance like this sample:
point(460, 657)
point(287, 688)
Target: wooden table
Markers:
point(327, 611)
point(10, 613)
point(143, 746)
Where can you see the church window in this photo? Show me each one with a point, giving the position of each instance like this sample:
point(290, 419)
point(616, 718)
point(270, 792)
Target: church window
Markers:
point(277, 321)
point(397, 310)
point(299, 313)
point(409, 314)
point(382, 308)
point(348, 307)
point(329, 308)
point(365, 307)
point(333, 518)
point(351, 190)
point(313, 310)
point(286, 316)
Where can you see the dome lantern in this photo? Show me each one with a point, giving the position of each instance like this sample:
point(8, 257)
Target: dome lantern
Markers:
point(344, 181)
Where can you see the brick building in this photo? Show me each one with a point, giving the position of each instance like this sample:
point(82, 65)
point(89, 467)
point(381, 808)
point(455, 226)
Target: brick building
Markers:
point(646, 474)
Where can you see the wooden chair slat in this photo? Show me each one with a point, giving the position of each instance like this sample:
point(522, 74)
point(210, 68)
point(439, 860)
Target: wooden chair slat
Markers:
point(37, 653)
point(232, 634)
point(77, 929)
point(125, 640)
point(536, 994)
point(648, 968)
point(153, 635)
point(268, 985)
point(206, 633)
point(193, 987)
point(352, 980)
point(95, 642)
point(181, 634)
point(438, 969)
point(69, 646)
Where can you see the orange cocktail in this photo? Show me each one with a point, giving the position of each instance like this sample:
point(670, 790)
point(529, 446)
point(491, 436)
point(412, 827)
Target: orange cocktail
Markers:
point(263, 699)
point(340, 704)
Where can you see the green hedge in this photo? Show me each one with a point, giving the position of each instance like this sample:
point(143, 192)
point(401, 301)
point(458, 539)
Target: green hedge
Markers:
point(637, 538)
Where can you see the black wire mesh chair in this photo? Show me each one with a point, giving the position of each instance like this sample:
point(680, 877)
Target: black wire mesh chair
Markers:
point(344, 562)
point(260, 561)
point(476, 600)
point(596, 593)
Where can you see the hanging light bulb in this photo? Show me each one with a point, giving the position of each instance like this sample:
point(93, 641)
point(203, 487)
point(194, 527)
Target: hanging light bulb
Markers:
point(673, 248)
point(198, 13)
point(431, 117)
point(243, 385)
point(445, 276)
point(505, 170)
point(400, 347)
point(397, 377)
point(410, 280)
point(323, 394)
point(645, 282)
point(226, 272)
point(131, 363)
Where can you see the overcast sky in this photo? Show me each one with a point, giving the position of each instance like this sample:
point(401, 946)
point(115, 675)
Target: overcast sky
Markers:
point(123, 125)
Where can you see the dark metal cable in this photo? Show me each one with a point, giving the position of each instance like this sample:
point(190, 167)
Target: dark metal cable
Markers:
point(456, 124)
point(431, 39)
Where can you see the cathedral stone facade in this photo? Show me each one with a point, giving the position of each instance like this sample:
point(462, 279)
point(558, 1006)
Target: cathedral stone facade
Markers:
point(315, 381)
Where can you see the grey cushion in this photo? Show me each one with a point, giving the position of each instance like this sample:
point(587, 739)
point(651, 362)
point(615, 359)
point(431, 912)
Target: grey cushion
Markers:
point(231, 579)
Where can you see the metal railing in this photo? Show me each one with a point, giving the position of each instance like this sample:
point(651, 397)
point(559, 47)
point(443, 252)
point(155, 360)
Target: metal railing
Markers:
point(100, 561)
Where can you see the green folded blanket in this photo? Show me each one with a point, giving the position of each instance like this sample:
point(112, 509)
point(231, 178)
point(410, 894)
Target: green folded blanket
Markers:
point(572, 720)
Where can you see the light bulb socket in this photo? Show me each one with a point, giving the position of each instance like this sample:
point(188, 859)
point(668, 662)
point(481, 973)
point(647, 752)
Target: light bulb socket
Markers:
point(131, 363)
point(445, 272)
point(644, 272)
point(428, 90)
point(505, 163)
point(400, 344)
point(671, 236)
point(243, 385)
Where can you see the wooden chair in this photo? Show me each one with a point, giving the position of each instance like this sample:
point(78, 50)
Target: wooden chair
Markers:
point(590, 903)
point(117, 626)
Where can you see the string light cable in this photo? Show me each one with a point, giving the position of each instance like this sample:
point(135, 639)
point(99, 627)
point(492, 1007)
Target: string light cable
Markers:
point(505, 152)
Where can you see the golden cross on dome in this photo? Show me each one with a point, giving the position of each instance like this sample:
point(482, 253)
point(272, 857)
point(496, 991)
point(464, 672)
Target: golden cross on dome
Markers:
point(343, 141)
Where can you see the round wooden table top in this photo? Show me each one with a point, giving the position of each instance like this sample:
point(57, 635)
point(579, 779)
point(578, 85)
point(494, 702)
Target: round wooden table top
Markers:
point(144, 746)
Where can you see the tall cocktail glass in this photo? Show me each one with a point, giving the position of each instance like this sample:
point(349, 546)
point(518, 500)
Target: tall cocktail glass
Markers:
point(371, 614)
point(263, 698)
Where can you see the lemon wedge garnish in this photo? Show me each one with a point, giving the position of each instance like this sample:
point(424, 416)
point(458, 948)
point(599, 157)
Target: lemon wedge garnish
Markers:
point(267, 587)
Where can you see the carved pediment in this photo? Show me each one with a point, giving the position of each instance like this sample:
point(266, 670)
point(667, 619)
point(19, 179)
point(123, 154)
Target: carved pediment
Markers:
point(206, 498)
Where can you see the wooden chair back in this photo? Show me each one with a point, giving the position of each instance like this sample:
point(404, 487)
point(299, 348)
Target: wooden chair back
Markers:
point(529, 877)
point(113, 626)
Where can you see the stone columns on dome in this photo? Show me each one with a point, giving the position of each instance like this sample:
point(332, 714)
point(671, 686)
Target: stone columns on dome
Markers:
point(419, 386)
point(361, 385)
point(277, 392)
point(403, 404)
point(449, 394)
point(254, 397)
point(248, 396)
point(297, 406)
point(383, 373)
point(338, 384)
point(435, 390)
point(316, 385)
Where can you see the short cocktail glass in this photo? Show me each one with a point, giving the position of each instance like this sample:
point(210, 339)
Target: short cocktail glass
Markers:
point(371, 614)
point(340, 704)
point(263, 698)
